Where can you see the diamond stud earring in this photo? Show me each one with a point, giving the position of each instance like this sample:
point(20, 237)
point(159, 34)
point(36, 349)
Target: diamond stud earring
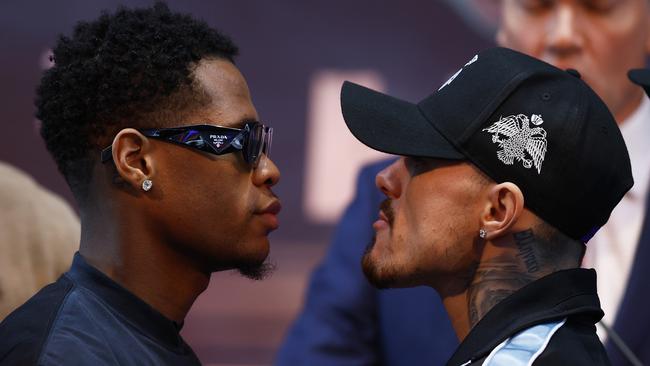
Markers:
point(146, 185)
point(482, 233)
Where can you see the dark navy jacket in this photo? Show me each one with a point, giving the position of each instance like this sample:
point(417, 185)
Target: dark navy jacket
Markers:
point(345, 321)
point(85, 318)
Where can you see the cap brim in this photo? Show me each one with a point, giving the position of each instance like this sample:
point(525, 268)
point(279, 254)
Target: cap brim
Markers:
point(641, 77)
point(391, 125)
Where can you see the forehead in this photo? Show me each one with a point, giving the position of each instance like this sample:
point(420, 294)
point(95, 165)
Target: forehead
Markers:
point(229, 98)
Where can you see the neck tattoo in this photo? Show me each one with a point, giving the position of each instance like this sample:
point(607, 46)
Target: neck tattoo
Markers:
point(525, 241)
point(501, 276)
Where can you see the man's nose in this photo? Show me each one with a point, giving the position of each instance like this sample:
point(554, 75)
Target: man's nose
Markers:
point(266, 173)
point(564, 35)
point(388, 180)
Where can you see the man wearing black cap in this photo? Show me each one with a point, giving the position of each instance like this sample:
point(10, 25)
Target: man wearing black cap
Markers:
point(508, 169)
point(345, 321)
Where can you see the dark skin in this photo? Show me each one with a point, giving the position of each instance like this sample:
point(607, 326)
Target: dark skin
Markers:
point(205, 213)
point(430, 236)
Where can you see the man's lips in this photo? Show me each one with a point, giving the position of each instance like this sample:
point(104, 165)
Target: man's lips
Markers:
point(382, 222)
point(273, 208)
point(270, 214)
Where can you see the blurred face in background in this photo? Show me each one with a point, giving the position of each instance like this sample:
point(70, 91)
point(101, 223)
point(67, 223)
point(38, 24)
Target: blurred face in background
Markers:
point(602, 39)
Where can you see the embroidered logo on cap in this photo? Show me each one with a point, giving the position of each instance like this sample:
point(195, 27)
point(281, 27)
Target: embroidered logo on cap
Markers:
point(518, 141)
point(458, 72)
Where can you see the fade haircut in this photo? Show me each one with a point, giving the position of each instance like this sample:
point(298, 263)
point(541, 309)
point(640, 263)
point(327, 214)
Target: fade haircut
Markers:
point(133, 68)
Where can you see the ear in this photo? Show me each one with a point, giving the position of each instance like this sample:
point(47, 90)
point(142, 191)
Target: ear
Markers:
point(132, 157)
point(503, 208)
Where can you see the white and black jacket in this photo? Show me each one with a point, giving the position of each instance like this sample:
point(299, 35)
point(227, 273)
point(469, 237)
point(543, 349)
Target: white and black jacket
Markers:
point(550, 321)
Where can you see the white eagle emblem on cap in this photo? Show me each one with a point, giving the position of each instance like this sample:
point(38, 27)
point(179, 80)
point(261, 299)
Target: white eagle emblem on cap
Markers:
point(518, 141)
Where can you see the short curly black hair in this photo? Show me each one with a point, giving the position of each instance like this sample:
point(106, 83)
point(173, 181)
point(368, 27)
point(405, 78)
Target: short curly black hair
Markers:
point(133, 68)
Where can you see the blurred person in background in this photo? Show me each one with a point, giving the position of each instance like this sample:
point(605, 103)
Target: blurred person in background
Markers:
point(39, 233)
point(347, 322)
point(153, 127)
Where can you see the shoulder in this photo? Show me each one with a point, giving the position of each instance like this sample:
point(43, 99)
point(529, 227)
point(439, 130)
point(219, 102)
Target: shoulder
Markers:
point(563, 342)
point(54, 327)
point(39, 233)
point(24, 332)
point(28, 199)
point(576, 343)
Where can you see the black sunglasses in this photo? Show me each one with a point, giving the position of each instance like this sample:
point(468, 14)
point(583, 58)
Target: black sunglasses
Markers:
point(253, 140)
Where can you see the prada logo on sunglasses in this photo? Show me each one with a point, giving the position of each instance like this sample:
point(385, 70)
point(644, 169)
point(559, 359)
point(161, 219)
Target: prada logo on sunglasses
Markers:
point(218, 140)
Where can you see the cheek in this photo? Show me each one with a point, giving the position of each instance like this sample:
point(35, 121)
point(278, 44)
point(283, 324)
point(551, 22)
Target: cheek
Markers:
point(617, 35)
point(615, 45)
point(627, 22)
point(522, 32)
point(213, 198)
point(434, 212)
point(440, 228)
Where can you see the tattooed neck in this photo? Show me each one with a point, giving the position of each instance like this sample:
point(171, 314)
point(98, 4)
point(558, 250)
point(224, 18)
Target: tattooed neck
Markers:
point(525, 242)
point(500, 276)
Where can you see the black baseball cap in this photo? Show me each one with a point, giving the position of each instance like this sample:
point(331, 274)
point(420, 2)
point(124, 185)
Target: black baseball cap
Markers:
point(519, 120)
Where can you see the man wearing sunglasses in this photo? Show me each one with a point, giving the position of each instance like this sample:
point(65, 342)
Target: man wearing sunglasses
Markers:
point(153, 127)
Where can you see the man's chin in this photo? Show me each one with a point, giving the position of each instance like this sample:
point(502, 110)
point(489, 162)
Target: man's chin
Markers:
point(381, 278)
point(256, 265)
point(256, 271)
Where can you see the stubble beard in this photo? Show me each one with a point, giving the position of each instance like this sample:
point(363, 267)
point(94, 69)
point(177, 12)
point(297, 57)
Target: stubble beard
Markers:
point(256, 271)
point(381, 273)
point(255, 268)
point(371, 271)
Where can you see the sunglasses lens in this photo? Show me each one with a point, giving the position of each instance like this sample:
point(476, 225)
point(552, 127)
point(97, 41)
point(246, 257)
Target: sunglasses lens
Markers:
point(258, 143)
point(268, 138)
point(252, 148)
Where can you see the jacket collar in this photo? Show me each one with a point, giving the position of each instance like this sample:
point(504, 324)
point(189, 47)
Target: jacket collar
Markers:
point(127, 306)
point(561, 294)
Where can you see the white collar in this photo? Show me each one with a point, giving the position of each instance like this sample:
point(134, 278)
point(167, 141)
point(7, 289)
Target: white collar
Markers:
point(636, 131)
